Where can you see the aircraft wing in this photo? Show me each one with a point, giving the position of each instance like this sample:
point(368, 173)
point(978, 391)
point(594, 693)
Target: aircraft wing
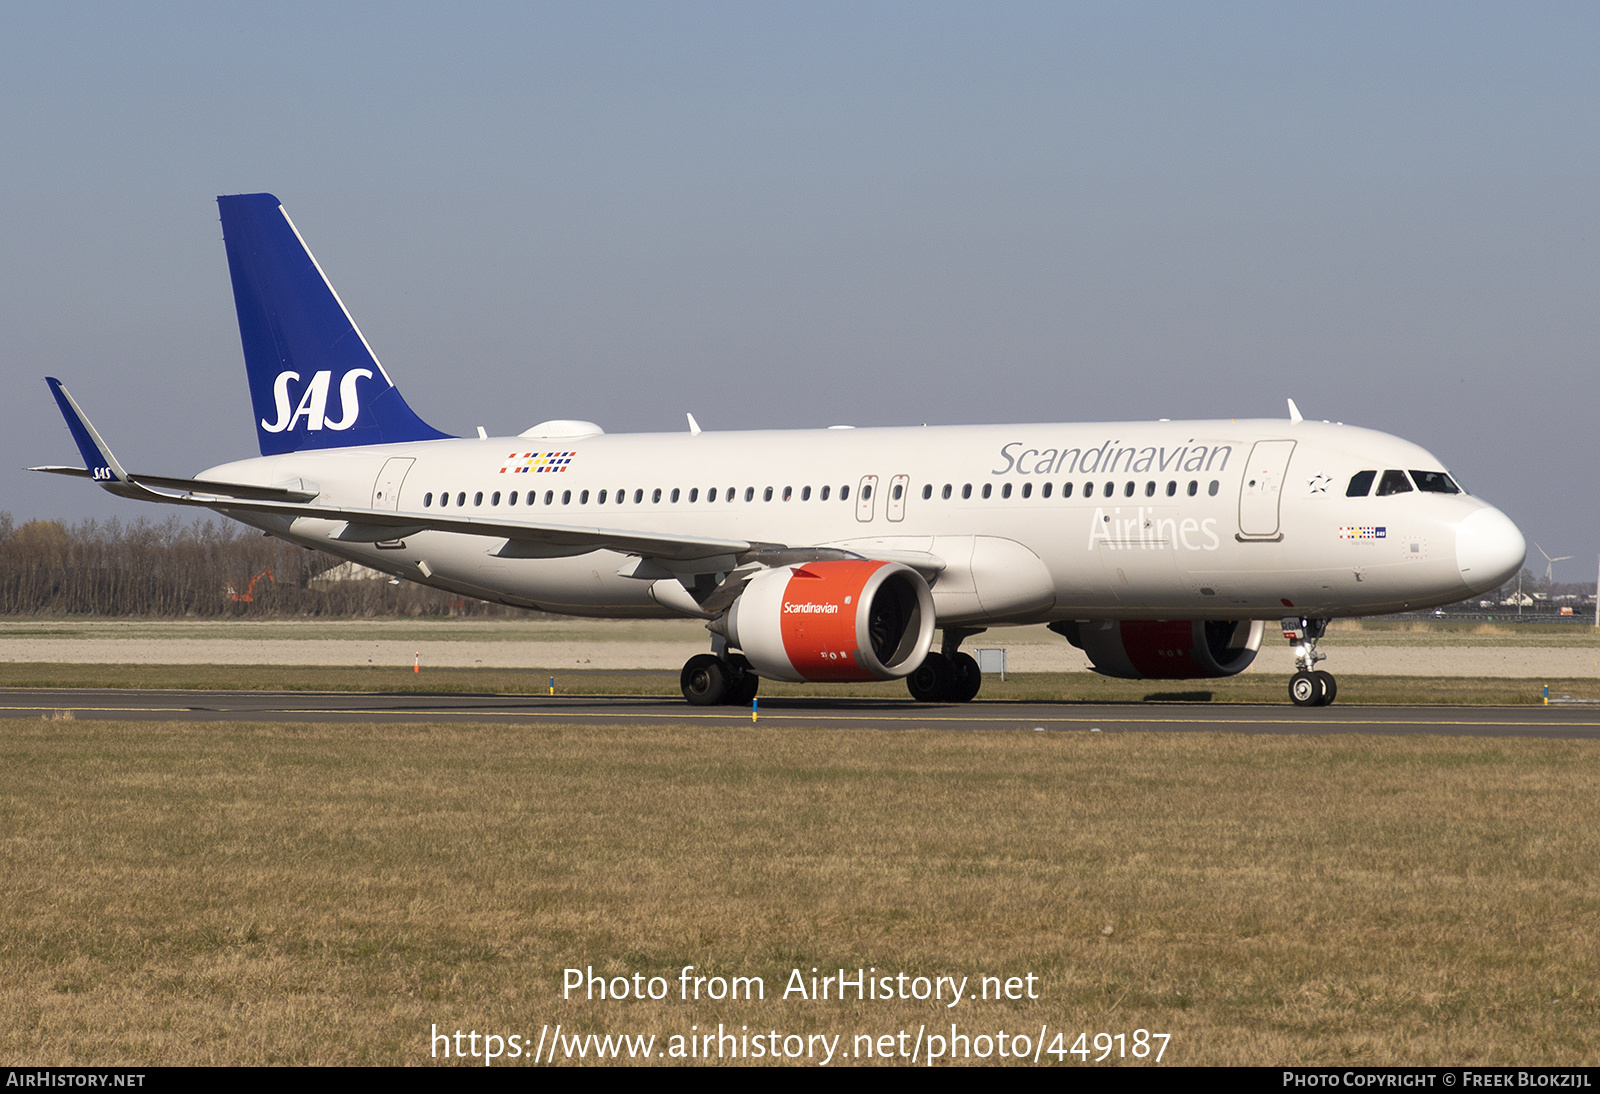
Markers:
point(370, 525)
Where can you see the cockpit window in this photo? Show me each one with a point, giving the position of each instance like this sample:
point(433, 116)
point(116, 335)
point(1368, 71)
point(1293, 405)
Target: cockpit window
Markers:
point(1393, 482)
point(1434, 482)
point(1360, 484)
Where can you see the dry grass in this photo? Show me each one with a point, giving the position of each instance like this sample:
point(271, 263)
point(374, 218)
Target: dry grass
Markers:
point(233, 893)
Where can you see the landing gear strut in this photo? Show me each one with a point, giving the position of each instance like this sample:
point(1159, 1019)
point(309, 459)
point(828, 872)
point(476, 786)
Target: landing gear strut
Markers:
point(708, 680)
point(1309, 686)
point(948, 676)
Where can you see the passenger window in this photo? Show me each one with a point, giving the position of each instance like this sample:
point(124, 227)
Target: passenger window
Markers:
point(1044, 491)
point(1213, 488)
point(674, 495)
point(898, 490)
point(1434, 482)
point(566, 497)
point(805, 493)
point(494, 498)
point(988, 489)
point(844, 493)
point(1172, 489)
point(655, 496)
point(583, 498)
point(1360, 484)
point(427, 500)
point(1027, 489)
point(1149, 489)
point(945, 493)
point(866, 492)
point(477, 499)
point(1088, 490)
point(694, 494)
point(1110, 489)
point(766, 495)
point(824, 495)
point(966, 491)
point(1005, 491)
point(788, 492)
point(1194, 488)
point(1066, 490)
point(1393, 482)
point(638, 497)
point(599, 500)
point(512, 500)
point(1127, 491)
point(461, 498)
point(927, 492)
point(749, 493)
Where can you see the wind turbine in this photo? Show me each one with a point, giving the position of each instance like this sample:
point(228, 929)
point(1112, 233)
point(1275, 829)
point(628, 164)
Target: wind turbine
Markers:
point(1550, 564)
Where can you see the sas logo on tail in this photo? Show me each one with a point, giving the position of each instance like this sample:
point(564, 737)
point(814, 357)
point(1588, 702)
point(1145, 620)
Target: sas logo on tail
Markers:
point(313, 405)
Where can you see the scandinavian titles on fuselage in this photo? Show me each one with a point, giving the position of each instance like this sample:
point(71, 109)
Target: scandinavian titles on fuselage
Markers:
point(1111, 458)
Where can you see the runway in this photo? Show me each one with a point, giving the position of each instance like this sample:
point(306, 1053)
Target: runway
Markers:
point(883, 715)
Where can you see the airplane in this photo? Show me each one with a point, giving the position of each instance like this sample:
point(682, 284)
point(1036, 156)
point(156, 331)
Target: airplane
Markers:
point(1160, 549)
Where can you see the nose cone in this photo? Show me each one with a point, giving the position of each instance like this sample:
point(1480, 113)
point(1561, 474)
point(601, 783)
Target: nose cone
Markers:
point(1489, 550)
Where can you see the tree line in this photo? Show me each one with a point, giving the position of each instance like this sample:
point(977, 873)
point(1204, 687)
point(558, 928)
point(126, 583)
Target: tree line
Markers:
point(205, 568)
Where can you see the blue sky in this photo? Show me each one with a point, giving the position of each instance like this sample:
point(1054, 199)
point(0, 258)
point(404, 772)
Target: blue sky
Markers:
point(795, 215)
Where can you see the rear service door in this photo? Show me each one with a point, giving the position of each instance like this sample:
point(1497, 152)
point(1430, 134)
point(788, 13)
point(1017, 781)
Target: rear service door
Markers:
point(386, 491)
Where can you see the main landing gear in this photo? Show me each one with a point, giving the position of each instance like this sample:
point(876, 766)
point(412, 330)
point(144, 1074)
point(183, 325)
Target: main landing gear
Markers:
point(708, 680)
point(1309, 686)
point(948, 676)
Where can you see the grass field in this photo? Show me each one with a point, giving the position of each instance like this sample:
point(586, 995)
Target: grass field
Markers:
point(247, 893)
point(1033, 687)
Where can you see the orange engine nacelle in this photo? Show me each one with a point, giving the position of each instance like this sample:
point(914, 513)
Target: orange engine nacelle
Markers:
point(1166, 649)
point(843, 620)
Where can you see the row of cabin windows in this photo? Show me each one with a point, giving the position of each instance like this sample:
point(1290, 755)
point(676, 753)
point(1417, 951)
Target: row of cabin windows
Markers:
point(1396, 482)
point(1108, 490)
point(619, 497)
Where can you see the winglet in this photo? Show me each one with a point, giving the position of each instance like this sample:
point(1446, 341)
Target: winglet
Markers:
point(694, 426)
point(103, 466)
point(1294, 412)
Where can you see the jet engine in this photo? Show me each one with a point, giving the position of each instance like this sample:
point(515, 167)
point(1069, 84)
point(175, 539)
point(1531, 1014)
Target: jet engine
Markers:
point(1165, 649)
point(836, 620)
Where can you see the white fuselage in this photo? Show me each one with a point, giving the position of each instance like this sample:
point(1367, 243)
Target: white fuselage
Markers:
point(1027, 523)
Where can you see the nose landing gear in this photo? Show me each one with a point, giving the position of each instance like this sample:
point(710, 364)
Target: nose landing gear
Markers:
point(1309, 686)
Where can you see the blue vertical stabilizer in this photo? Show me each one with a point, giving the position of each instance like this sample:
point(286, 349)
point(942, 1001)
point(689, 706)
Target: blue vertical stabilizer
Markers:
point(314, 381)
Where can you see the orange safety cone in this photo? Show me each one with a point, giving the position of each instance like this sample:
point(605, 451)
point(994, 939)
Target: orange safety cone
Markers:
point(417, 667)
